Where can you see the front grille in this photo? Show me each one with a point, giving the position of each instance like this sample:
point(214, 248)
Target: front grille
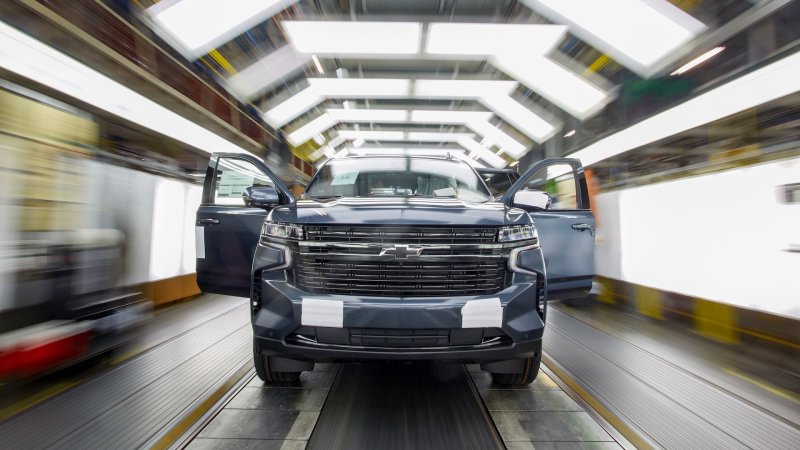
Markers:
point(394, 278)
point(401, 235)
point(442, 262)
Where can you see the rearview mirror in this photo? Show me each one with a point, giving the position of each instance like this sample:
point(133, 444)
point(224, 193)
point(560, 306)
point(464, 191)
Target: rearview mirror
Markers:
point(533, 199)
point(261, 197)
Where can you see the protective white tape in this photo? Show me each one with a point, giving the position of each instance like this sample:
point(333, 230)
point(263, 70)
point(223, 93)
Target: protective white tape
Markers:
point(482, 314)
point(200, 242)
point(322, 313)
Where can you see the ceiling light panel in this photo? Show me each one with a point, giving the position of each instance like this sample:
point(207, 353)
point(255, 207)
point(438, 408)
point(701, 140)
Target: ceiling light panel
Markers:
point(361, 87)
point(637, 33)
point(197, 26)
point(462, 88)
point(321, 88)
point(456, 117)
point(482, 152)
point(352, 135)
point(520, 117)
point(369, 115)
point(560, 86)
point(481, 39)
point(768, 83)
point(354, 38)
point(267, 72)
point(21, 54)
point(493, 94)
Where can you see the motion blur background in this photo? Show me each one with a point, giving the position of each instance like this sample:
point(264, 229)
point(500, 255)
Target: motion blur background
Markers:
point(685, 114)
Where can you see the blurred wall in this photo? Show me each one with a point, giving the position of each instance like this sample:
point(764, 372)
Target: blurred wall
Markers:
point(731, 236)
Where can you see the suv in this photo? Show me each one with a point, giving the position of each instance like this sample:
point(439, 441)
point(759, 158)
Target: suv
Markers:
point(395, 258)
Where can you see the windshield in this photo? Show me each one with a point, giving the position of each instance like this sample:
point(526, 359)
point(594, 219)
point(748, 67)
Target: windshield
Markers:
point(398, 177)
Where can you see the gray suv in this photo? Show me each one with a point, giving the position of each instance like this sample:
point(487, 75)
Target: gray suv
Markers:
point(395, 258)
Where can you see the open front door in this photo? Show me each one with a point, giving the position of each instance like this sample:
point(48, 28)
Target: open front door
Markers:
point(229, 224)
point(554, 192)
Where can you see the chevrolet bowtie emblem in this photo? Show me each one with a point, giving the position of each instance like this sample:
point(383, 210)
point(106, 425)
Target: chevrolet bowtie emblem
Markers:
point(401, 251)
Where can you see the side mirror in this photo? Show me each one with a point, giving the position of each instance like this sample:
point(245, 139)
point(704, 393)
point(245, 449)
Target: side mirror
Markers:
point(533, 199)
point(261, 197)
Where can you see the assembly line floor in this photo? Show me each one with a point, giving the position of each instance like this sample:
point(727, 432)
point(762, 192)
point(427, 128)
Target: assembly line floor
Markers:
point(188, 381)
point(388, 406)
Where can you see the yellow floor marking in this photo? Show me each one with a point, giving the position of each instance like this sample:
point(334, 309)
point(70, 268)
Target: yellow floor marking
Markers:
point(783, 393)
point(613, 419)
point(126, 356)
point(35, 399)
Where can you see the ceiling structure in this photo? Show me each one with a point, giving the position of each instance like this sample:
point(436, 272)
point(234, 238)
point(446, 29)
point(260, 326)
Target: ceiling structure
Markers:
point(484, 80)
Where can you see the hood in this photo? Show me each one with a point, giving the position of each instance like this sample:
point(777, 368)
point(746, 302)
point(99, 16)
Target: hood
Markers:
point(405, 211)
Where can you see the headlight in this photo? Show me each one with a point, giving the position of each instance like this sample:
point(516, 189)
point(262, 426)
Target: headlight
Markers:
point(283, 230)
point(517, 233)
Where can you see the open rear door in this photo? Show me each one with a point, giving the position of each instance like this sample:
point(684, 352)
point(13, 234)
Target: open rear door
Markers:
point(555, 194)
point(227, 229)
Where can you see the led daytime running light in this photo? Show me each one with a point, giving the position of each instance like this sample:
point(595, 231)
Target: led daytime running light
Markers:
point(517, 233)
point(283, 230)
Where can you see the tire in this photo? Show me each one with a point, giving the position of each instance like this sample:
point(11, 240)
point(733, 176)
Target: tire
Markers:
point(526, 377)
point(261, 363)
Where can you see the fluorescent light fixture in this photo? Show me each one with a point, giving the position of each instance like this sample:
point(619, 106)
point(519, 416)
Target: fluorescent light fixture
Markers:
point(424, 136)
point(562, 87)
point(455, 117)
point(768, 83)
point(477, 121)
point(341, 153)
point(520, 117)
point(368, 115)
point(482, 152)
point(21, 54)
point(637, 33)
point(569, 133)
point(354, 38)
point(352, 135)
point(358, 142)
point(493, 94)
point(329, 151)
point(316, 63)
point(321, 88)
point(361, 87)
point(700, 59)
point(197, 26)
point(319, 139)
point(519, 50)
point(506, 143)
point(307, 131)
point(267, 72)
point(462, 88)
point(421, 136)
point(482, 39)
point(418, 151)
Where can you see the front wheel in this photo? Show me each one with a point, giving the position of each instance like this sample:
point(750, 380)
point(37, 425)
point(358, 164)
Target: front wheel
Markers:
point(261, 363)
point(529, 373)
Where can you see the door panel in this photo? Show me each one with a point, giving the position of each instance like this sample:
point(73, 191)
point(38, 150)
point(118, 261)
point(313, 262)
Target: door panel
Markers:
point(566, 227)
point(229, 229)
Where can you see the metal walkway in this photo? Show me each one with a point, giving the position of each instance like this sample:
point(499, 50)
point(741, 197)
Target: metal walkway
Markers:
point(669, 405)
point(136, 402)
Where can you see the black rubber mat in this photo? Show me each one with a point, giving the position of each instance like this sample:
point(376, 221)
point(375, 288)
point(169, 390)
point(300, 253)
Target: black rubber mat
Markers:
point(420, 406)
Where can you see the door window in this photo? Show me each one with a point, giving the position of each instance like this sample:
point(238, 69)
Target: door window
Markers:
point(234, 176)
point(558, 180)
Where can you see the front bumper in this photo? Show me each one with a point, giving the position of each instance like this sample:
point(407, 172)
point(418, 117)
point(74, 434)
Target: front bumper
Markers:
point(279, 330)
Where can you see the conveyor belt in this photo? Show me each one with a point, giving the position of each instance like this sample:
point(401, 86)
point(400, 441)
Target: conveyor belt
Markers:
point(668, 404)
point(134, 403)
point(417, 406)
